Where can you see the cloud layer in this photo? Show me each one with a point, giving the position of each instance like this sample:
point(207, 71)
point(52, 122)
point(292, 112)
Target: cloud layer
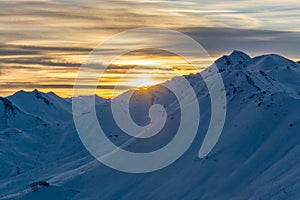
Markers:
point(44, 42)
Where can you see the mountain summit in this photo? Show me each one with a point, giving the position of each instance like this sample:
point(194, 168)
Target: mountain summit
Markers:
point(48, 107)
point(236, 58)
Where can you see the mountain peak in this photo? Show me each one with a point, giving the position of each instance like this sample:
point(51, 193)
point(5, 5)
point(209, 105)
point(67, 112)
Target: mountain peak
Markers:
point(234, 59)
point(239, 56)
point(30, 97)
point(22, 92)
point(270, 62)
point(36, 92)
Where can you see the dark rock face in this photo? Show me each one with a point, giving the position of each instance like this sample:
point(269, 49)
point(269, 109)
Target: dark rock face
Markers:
point(8, 106)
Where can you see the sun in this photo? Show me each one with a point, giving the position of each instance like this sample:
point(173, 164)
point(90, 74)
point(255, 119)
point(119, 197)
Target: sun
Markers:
point(141, 69)
point(142, 81)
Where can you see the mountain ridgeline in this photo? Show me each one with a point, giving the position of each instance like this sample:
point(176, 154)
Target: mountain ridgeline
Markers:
point(256, 157)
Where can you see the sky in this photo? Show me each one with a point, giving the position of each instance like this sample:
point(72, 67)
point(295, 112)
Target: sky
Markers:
point(43, 43)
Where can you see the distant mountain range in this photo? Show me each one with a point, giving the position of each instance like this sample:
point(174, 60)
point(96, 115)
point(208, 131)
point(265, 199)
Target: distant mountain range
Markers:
point(257, 156)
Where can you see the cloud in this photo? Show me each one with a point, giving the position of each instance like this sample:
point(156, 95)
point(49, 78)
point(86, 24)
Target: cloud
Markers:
point(47, 41)
point(218, 41)
point(29, 85)
point(39, 61)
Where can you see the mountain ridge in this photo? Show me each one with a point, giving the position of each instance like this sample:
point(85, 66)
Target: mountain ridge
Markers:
point(256, 156)
point(237, 56)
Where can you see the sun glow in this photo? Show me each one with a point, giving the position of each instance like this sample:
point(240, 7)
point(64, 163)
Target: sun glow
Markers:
point(143, 80)
point(141, 69)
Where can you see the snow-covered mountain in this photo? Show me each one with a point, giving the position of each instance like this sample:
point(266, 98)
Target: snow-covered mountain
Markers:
point(12, 117)
point(49, 107)
point(257, 156)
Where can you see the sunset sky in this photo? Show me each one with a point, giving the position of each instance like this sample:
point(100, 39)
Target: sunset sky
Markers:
point(44, 42)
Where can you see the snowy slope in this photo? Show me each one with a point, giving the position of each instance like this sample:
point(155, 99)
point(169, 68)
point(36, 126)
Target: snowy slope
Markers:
point(257, 156)
point(98, 100)
point(49, 107)
point(12, 117)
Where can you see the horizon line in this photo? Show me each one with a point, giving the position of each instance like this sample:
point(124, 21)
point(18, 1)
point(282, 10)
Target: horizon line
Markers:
point(43, 88)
